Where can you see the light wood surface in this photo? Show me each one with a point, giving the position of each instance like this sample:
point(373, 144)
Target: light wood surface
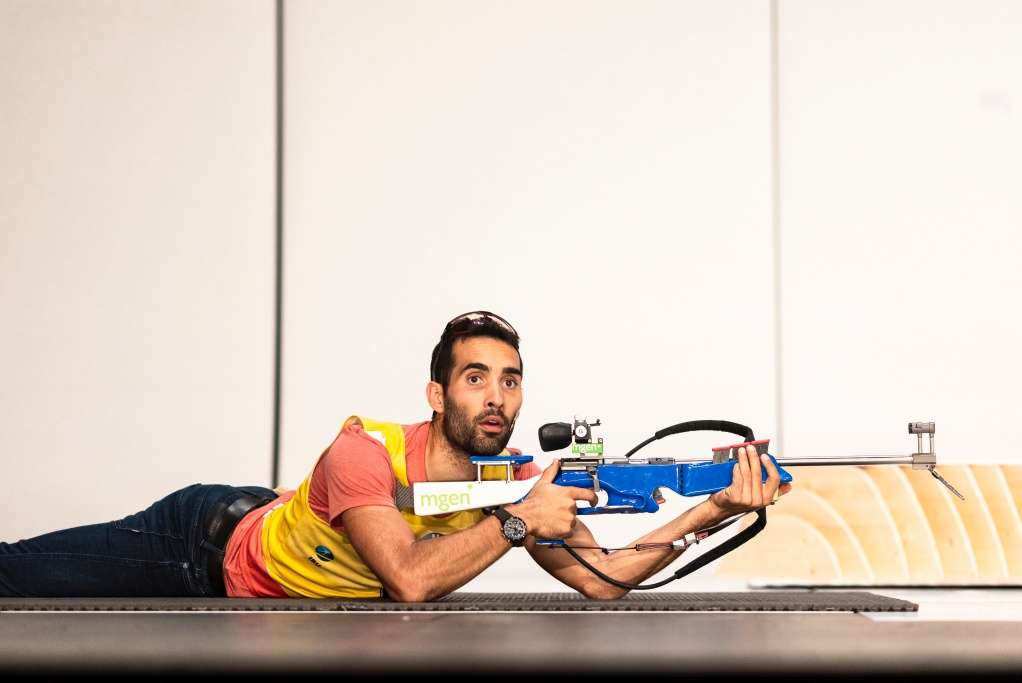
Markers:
point(859, 502)
point(890, 525)
point(1001, 505)
point(917, 540)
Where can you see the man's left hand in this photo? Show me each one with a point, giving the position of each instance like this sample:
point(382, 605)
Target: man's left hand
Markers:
point(748, 491)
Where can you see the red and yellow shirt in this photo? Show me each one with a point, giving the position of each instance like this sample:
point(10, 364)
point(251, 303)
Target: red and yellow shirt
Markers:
point(296, 545)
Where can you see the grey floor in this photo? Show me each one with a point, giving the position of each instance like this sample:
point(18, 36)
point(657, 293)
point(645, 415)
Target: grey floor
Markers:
point(955, 631)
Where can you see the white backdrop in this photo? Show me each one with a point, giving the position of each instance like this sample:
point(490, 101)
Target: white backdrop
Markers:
point(597, 172)
point(136, 254)
point(901, 162)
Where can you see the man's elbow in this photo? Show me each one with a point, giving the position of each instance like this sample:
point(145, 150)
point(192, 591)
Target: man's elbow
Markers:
point(598, 590)
point(407, 594)
point(411, 591)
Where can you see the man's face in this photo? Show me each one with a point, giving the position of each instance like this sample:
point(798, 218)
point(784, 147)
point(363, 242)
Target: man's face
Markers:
point(483, 396)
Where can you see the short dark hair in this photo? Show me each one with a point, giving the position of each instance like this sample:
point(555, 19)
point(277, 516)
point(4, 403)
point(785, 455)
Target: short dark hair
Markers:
point(464, 326)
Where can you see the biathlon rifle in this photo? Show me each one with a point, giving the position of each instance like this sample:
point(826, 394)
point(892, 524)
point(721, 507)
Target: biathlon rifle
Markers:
point(634, 484)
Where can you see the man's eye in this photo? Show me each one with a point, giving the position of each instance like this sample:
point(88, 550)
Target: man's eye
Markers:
point(474, 379)
point(511, 383)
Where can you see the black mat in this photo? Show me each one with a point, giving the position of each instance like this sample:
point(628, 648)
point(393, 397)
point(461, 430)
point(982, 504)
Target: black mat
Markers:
point(754, 601)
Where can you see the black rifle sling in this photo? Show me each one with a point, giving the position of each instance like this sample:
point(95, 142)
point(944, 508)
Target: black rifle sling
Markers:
point(698, 426)
point(715, 553)
point(727, 546)
point(709, 556)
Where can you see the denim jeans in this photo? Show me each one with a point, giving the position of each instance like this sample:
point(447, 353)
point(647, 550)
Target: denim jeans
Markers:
point(161, 551)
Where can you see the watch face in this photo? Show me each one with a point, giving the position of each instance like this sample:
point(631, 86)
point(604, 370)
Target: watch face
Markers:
point(515, 529)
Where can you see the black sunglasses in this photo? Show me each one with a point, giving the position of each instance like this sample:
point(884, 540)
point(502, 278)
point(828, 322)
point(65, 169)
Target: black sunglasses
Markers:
point(467, 321)
point(462, 324)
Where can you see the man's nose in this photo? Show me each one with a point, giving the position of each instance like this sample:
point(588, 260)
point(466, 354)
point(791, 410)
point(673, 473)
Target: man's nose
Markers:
point(495, 396)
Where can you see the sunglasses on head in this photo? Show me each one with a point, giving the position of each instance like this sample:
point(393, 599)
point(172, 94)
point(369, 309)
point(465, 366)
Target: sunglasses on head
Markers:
point(467, 321)
point(464, 323)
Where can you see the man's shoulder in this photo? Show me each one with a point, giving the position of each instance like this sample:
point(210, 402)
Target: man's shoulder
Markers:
point(354, 455)
point(355, 438)
point(354, 441)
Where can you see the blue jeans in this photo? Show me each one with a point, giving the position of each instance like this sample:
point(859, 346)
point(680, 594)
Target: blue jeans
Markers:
point(161, 551)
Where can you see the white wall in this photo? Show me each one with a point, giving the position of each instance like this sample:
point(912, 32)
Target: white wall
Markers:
point(901, 162)
point(136, 254)
point(598, 173)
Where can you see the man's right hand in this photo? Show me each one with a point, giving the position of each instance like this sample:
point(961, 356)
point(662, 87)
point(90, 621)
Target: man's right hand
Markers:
point(549, 511)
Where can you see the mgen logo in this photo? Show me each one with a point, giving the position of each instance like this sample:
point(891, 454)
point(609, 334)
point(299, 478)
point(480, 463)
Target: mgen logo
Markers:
point(323, 553)
point(444, 501)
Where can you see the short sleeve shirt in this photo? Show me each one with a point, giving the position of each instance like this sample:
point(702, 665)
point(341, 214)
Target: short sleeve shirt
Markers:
point(354, 471)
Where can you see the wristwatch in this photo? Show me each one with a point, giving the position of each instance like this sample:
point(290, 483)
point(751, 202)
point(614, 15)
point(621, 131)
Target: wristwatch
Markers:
point(514, 528)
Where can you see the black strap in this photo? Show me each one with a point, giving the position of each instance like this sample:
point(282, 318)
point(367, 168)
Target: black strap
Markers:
point(708, 426)
point(727, 546)
point(699, 426)
point(709, 556)
point(724, 548)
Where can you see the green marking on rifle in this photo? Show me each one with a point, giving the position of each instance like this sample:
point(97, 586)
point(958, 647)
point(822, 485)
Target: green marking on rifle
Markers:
point(594, 448)
point(443, 501)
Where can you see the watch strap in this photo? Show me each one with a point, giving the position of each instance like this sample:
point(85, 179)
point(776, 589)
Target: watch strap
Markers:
point(500, 513)
point(503, 516)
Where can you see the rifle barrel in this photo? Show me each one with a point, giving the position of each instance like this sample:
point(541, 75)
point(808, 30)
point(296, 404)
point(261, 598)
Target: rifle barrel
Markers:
point(848, 460)
point(918, 459)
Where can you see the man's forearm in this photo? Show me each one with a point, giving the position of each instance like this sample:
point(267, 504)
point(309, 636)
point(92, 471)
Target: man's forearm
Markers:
point(438, 566)
point(746, 493)
point(635, 566)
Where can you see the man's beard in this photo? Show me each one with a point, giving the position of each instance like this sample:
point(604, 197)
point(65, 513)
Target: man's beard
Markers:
point(460, 430)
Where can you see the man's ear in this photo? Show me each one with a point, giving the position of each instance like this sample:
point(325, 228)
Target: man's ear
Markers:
point(435, 396)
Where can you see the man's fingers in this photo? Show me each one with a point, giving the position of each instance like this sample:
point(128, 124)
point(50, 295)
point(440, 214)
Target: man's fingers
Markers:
point(579, 493)
point(747, 480)
point(773, 478)
point(756, 474)
point(550, 473)
point(781, 490)
point(738, 477)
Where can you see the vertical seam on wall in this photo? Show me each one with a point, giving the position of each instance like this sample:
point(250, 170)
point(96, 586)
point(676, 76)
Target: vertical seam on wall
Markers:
point(775, 183)
point(279, 230)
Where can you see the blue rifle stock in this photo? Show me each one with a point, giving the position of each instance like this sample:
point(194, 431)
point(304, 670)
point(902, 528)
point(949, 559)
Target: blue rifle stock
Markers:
point(633, 487)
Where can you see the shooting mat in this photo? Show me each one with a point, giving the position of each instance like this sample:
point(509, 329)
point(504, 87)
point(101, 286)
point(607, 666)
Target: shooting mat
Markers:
point(754, 601)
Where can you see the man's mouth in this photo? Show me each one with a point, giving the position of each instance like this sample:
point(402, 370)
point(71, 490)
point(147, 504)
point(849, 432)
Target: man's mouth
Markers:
point(492, 425)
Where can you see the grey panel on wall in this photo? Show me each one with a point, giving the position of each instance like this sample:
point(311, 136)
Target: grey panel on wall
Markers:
point(136, 253)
